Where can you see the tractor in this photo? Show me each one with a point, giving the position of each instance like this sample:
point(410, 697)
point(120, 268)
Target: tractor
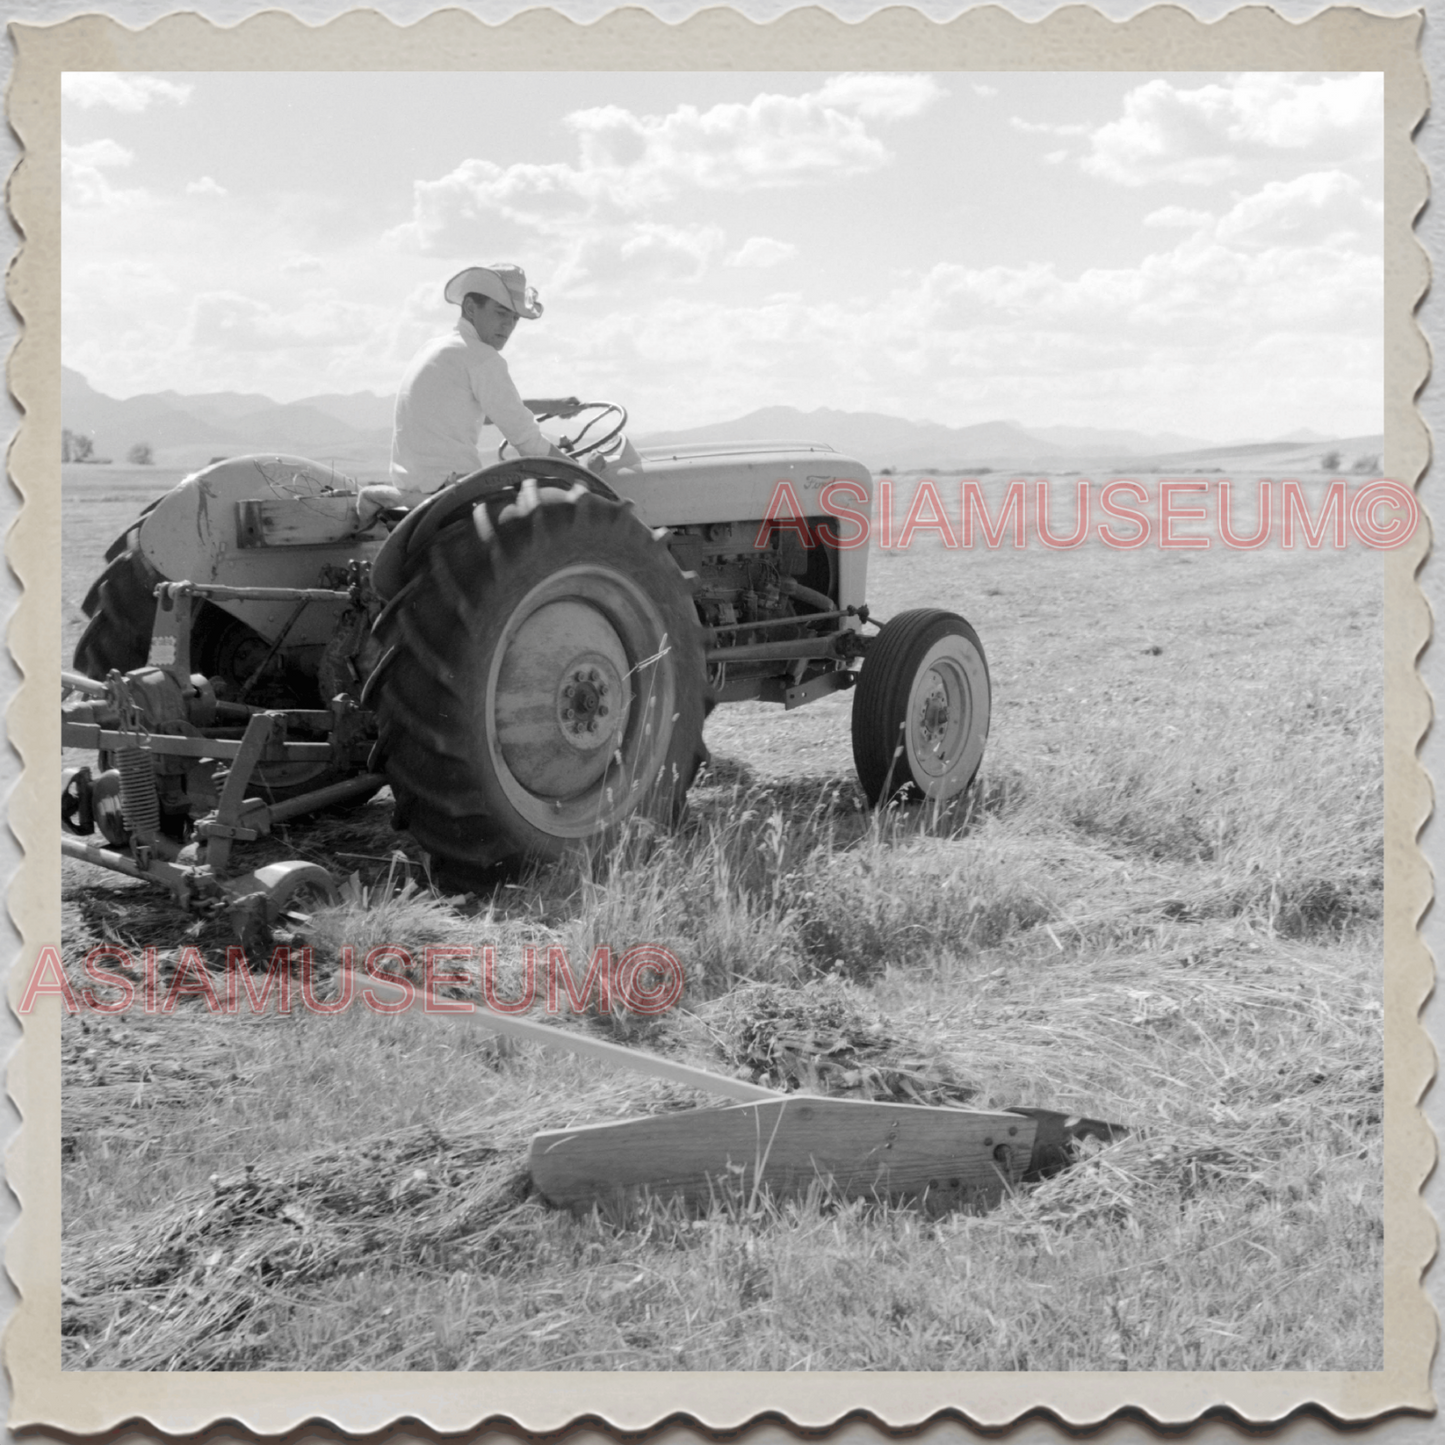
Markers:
point(526, 659)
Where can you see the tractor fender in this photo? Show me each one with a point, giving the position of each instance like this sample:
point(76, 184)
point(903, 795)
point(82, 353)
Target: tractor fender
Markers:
point(423, 522)
point(194, 534)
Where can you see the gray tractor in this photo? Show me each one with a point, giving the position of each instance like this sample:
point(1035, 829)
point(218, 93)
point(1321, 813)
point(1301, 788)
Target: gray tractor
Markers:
point(527, 659)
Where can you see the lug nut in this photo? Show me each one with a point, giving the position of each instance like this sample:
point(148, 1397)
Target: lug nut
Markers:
point(569, 714)
point(602, 711)
point(568, 690)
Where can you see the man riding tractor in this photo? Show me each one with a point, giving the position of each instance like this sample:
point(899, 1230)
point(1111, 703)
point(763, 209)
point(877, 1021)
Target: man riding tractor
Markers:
point(456, 384)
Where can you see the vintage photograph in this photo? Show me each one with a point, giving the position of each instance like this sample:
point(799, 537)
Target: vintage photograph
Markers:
point(735, 722)
point(722, 721)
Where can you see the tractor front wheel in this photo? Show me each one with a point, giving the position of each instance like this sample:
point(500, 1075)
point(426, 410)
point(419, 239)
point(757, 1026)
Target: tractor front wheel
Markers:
point(541, 678)
point(921, 709)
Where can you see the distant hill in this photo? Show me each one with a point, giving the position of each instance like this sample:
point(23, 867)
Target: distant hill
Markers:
point(1286, 455)
point(187, 431)
point(354, 432)
point(875, 439)
point(1094, 441)
point(888, 441)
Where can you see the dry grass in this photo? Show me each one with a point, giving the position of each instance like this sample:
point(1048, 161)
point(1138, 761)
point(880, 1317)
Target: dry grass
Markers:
point(1161, 906)
point(406, 1240)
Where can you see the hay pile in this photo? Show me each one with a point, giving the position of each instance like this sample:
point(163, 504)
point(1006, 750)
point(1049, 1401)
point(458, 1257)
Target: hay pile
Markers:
point(204, 1281)
point(823, 1038)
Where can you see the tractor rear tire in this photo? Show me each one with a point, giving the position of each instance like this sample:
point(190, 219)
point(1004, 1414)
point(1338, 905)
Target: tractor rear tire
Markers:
point(541, 679)
point(921, 709)
point(121, 606)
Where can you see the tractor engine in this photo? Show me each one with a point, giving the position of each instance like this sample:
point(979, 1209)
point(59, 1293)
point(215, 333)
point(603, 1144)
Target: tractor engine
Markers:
point(746, 593)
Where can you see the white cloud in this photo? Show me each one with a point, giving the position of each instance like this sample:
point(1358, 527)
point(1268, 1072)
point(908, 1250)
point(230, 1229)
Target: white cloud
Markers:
point(1283, 112)
point(1203, 294)
point(97, 153)
point(206, 186)
point(1046, 127)
point(1318, 207)
point(879, 96)
point(986, 91)
point(1257, 308)
point(458, 212)
point(228, 321)
point(1151, 346)
point(627, 163)
point(1203, 136)
point(1178, 216)
point(761, 251)
point(1054, 158)
point(89, 88)
point(642, 254)
point(772, 140)
point(83, 179)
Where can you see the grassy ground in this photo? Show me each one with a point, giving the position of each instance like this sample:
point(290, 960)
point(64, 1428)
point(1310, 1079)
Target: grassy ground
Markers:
point(1161, 906)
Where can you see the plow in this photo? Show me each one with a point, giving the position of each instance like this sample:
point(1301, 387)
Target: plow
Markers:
point(788, 1145)
point(164, 725)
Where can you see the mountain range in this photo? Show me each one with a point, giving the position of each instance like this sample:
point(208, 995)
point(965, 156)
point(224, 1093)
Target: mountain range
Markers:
point(879, 440)
point(353, 431)
point(187, 431)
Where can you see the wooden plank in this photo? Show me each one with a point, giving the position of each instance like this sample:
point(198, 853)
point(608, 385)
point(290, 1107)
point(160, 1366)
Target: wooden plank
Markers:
point(945, 1158)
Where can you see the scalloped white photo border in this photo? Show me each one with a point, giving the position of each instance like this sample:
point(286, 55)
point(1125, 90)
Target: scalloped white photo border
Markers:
point(1075, 37)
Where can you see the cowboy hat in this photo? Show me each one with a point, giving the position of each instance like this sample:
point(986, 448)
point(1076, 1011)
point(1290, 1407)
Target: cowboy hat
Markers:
point(504, 283)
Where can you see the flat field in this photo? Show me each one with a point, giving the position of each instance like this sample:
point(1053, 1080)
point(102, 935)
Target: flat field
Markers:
point(1161, 905)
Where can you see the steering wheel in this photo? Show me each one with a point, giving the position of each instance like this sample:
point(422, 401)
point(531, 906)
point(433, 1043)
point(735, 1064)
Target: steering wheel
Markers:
point(605, 418)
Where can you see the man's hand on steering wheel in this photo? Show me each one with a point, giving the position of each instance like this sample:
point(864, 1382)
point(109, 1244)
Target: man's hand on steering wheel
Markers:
point(598, 432)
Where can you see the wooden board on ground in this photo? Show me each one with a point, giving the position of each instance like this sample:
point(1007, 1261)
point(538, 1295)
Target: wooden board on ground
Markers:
point(944, 1158)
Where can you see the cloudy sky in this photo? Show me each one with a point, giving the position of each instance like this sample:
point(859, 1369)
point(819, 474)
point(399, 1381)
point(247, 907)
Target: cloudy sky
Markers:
point(1196, 253)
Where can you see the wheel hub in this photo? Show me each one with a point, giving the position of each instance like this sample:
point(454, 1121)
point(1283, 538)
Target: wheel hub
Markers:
point(940, 717)
point(587, 703)
point(562, 698)
point(935, 711)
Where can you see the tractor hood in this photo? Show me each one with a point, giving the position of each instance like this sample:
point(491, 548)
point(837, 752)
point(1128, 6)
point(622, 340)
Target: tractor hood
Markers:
point(734, 481)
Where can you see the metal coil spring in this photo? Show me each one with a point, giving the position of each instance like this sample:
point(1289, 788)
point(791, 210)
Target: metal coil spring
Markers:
point(139, 803)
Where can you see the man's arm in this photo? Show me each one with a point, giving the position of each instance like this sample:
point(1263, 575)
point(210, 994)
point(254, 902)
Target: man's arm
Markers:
point(503, 406)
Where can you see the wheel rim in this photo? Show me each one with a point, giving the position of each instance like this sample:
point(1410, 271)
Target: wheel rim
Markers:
point(946, 721)
point(580, 700)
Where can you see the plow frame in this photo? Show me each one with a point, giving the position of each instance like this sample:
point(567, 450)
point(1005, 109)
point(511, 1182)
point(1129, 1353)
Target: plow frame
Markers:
point(198, 870)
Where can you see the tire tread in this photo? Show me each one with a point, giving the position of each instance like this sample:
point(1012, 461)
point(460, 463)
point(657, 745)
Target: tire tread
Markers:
point(424, 739)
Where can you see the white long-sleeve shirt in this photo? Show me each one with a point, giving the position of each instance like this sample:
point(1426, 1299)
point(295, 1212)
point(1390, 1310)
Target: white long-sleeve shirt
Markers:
point(453, 386)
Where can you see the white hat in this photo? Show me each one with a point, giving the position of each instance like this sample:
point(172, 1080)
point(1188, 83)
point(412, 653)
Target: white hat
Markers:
point(504, 283)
